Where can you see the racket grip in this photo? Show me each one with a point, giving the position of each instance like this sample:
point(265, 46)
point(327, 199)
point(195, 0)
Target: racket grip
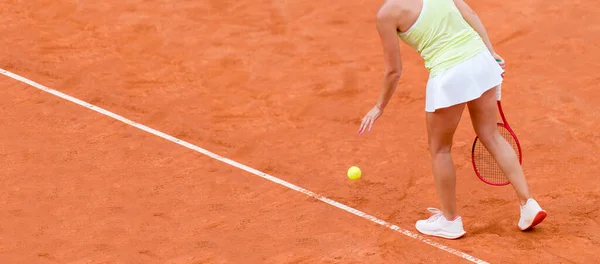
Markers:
point(498, 92)
point(499, 88)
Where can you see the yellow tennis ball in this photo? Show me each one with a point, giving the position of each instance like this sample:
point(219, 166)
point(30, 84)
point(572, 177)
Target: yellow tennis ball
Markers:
point(354, 173)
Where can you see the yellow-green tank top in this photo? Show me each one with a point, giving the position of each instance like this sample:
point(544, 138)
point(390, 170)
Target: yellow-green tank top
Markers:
point(442, 37)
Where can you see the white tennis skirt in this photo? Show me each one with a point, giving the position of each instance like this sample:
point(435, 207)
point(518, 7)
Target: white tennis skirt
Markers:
point(464, 82)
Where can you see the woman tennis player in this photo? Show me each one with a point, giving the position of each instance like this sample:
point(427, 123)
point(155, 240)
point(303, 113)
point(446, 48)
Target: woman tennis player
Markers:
point(463, 70)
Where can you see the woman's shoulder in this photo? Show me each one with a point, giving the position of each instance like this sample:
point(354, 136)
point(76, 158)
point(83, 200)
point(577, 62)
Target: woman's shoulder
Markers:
point(404, 12)
point(397, 8)
point(394, 6)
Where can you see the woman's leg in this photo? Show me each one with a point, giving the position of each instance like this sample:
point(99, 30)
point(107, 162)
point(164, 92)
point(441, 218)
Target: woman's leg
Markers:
point(483, 115)
point(441, 126)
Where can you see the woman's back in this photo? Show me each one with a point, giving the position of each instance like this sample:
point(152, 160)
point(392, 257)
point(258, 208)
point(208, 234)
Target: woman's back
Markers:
point(441, 35)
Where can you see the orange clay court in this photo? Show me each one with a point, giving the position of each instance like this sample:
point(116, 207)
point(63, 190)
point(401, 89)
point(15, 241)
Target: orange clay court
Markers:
point(279, 86)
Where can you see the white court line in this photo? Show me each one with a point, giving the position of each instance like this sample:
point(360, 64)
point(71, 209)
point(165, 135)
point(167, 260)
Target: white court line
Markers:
point(246, 168)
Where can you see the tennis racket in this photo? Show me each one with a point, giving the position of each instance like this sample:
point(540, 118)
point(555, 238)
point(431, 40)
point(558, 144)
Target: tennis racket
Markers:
point(484, 164)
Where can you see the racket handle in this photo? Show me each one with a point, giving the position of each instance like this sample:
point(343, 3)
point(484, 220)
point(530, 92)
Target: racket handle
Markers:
point(498, 92)
point(499, 88)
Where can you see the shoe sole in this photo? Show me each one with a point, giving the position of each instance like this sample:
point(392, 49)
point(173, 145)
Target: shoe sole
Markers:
point(539, 217)
point(444, 234)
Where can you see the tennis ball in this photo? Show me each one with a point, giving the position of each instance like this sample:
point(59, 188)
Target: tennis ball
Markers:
point(354, 173)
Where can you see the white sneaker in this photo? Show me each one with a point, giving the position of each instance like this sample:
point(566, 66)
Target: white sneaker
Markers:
point(438, 225)
point(531, 215)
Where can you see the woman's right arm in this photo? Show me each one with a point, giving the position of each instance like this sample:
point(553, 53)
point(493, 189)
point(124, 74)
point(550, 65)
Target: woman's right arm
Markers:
point(471, 17)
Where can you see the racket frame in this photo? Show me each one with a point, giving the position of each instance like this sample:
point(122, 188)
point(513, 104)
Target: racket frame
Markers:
point(505, 125)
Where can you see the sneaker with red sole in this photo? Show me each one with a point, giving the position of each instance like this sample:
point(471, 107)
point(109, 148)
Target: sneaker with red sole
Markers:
point(531, 215)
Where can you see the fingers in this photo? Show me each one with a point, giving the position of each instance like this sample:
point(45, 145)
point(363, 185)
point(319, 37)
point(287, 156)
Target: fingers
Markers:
point(500, 62)
point(362, 125)
point(367, 123)
point(369, 119)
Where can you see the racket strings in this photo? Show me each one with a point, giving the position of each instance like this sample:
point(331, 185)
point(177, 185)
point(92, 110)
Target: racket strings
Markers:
point(486, 164)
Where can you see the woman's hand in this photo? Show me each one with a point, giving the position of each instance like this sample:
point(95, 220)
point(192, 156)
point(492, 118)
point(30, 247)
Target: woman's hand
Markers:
point(369, 119)
point(500, 60)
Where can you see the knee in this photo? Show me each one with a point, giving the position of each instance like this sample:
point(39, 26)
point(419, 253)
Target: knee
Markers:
point(489, 138)
point(439, 147)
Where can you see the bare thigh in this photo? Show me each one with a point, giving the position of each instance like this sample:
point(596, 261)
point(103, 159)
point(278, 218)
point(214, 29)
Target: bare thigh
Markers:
point(483, 111)
point(441, 126)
